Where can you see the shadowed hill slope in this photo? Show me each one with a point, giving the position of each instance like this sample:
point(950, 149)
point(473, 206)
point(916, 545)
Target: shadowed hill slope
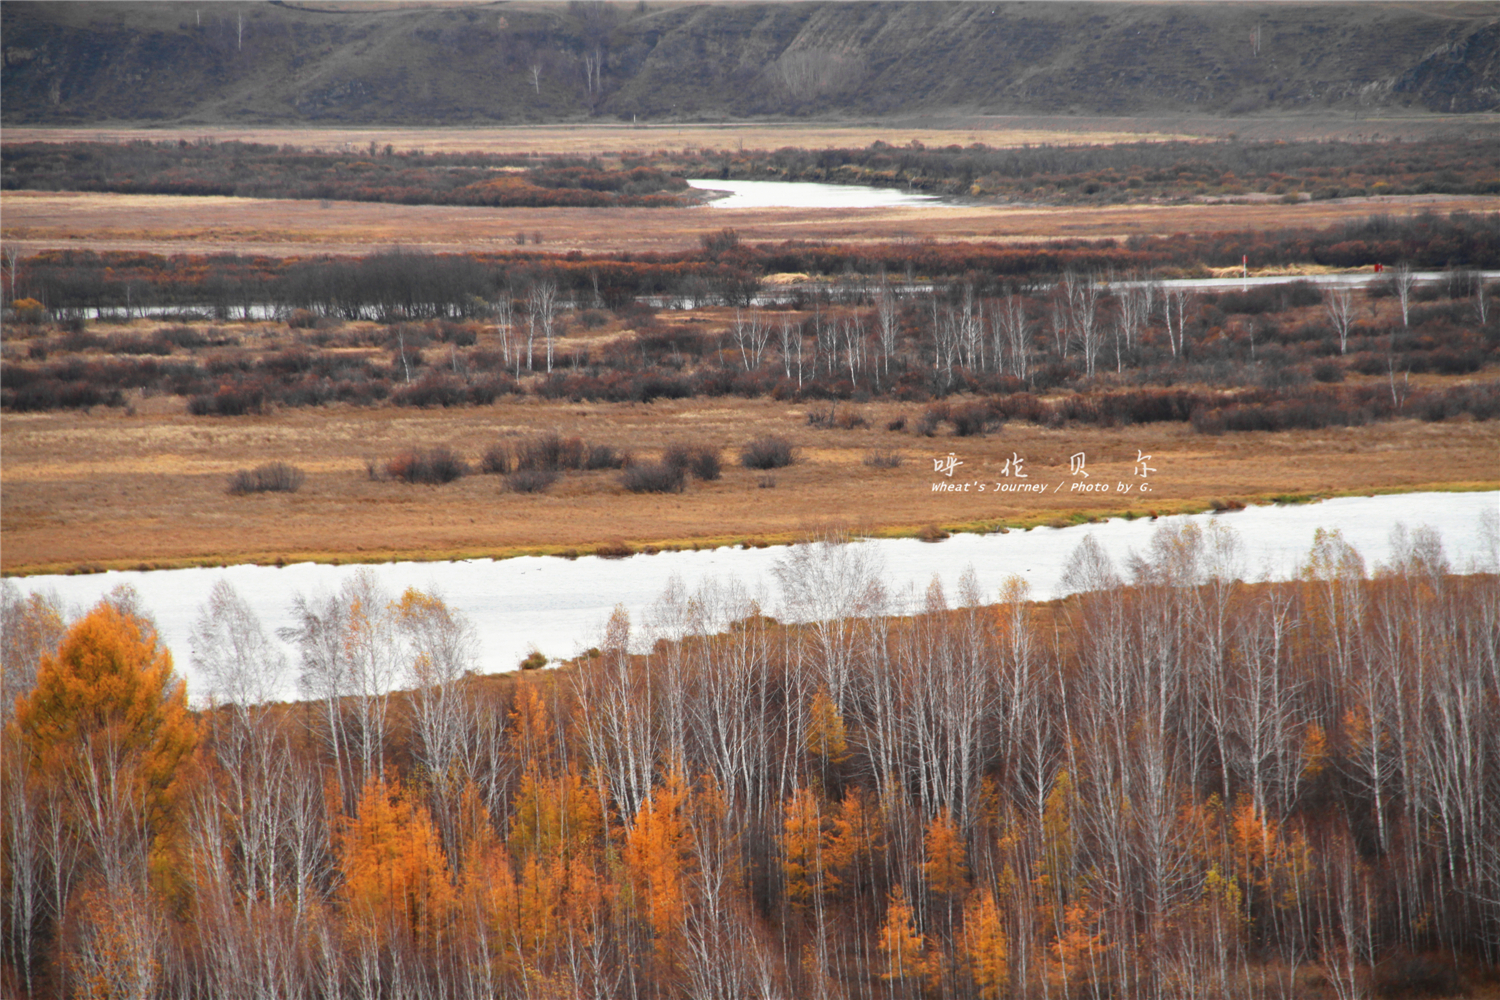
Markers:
point(517, 63)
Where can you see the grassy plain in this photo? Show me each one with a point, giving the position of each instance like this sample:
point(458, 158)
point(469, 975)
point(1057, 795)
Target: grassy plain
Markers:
point(601, 139)
point(147, 486)
point(117, 489)
point(171, 224)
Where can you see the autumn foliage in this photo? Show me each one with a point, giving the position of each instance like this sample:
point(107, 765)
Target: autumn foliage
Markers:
point(1170, 783)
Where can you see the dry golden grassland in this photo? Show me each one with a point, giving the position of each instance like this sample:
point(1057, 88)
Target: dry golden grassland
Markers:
point(613, 138)
point(172, 224)
point(595, 139)
point(122, 489)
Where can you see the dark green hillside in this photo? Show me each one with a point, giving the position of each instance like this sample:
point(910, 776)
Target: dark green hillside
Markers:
point(503, 62)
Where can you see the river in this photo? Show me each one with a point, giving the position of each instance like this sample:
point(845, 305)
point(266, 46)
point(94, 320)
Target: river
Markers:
point(560, 606)
point(804, 194)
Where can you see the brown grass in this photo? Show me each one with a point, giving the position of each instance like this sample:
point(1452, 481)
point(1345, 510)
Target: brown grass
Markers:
point(603, 139)
point(109, 489)
point(606, 139)
point(170, 224)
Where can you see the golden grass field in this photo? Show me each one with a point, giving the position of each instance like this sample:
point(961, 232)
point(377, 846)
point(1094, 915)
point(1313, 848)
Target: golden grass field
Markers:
point(613, 138)
point(119, 490)
point(624, 138)
point(172, 224)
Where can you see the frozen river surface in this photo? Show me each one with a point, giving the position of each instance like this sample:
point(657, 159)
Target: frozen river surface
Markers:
point(560, 606)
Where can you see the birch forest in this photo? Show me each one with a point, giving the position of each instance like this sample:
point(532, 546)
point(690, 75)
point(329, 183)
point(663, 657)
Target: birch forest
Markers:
point(1175, 782)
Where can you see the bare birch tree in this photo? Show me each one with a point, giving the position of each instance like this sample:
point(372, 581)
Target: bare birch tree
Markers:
point(1338, 305)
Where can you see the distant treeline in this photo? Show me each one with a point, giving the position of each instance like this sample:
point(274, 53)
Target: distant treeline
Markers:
point(1127, 349)
point(1070, 174)
point(405, 285)
point(1132, 171)
point(254, 170)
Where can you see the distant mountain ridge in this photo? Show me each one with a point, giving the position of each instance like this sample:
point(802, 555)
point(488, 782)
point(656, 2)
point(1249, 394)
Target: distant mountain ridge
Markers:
point(282, 63)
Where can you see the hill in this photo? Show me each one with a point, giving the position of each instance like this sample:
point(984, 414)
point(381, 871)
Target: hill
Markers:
point(78, 63)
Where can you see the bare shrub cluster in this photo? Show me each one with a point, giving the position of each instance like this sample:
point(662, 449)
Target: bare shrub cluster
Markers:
point(273, 477)
point(702, 460)
point(769, 452)
point(654, 477)
point(431, 466)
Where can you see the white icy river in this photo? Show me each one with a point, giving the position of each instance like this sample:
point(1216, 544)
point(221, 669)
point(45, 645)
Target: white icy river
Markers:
point(560, 606)
point(801, 194)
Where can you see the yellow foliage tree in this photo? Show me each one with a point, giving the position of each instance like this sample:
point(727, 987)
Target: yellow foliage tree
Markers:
point(946, 868)
point(1078, 954)
point(486, 894)
point(827, 739)
point(899, 941)
point(985, 945)
point(803, 849)
point(659, 860)
point(108, 723)
point(395, 873)
point(531, 728)
point(554, 817)
point(1055, 883)
point(856, 836)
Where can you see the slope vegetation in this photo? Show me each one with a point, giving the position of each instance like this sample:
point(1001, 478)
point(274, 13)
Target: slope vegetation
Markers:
point(516, 63)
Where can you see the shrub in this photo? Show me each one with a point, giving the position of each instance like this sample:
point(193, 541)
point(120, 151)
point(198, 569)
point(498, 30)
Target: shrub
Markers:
point(899, 424)
point(433, 389)
point(431, 466)
point(229, 401)
point(28, 311)
point(603, 456)
point(933, 416)
point(550, 453)
point(969, 420)
point(1456, 362)
point(655, 478)
point(706, 464)
point(769, 452)
point(182, 336)
point(615, 549)
point(530, 480)
point(496, 461)
point(1328, 371)
point(534, 660)
point(931, 533)
point(273, 477)
point(124, 343)
point(883, 459)
point(700, 459)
